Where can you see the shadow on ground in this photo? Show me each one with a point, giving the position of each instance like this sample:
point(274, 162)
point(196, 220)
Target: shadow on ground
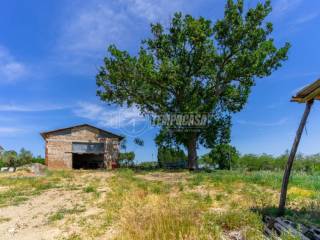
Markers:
point(308, 216)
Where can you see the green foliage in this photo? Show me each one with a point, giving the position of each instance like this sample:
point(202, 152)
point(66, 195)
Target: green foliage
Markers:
point(25, 157)
point(169, 157)
point(38, 159)
point(227, 157)
point(14, 159)
point(138, 141)
point(126, 159)
point(147, 165)
point(252, 162)
point(10, 159)
point(195, 66)
point(223, 155)
point(90, 189)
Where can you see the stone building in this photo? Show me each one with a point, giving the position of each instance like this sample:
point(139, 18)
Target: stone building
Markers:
point(81, 147)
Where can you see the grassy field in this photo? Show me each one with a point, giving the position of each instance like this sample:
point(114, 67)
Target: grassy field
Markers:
point(150, 205)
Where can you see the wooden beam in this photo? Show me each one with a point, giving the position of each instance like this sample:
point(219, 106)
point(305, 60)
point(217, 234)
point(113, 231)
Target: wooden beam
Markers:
point(292, 155)
point(312, 95)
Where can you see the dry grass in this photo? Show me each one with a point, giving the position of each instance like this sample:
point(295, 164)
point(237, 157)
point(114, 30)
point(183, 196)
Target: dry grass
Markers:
point(158, 205)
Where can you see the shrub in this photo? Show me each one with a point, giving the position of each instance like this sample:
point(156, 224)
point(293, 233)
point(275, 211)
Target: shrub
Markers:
point(252, 162)
point(147, 165)
point(10, 159)
point(24, 157)
point(38, 159)
point(14, 159)
point(171, 157)
point(126, 159)
point(224, 156)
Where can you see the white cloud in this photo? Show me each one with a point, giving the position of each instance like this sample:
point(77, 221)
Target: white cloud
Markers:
point(307, 18)
point(282, 7)
point(154, 10)
point(91, 27)
point(263, 124)
point(9, 130)
point(118, 117)
point(9, 107)
point(10, 69)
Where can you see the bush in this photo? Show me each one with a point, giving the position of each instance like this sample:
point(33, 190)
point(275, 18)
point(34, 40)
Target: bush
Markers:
point(147, 165)
point(256, 162)
point(14, 159)
point(171, 158)
point(38, 159)
point(224, 156)
point(10, 159)
point(252, 162)
point(126, 159)
point(24, 157)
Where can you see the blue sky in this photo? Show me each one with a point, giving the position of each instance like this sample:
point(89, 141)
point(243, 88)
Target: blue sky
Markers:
point(50, 52)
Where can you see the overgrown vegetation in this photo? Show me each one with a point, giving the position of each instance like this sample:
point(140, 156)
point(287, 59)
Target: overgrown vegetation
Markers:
point(166, 205)
point(227, 157)
point(171, 157)
point(252, 162)
point(126, 159)
point(13, 159)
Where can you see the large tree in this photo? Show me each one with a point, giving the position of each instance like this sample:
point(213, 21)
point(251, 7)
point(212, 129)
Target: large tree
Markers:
point(195, 66)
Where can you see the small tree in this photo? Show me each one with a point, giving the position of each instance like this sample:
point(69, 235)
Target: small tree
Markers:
point(170, 156)
point(196, 67)
point(10, 159)
point(223, 155)
point(139, 142)
point(126, 159)
point(25, 157)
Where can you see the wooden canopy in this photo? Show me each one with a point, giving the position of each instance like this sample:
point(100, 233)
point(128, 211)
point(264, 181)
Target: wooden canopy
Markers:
point(308, 93)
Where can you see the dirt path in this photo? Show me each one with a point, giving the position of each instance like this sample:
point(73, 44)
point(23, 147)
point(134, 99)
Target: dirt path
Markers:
point(29, 221)
point(165, 177)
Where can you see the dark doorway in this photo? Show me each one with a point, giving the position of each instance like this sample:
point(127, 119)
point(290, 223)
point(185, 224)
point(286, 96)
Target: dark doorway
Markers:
point(87, 161)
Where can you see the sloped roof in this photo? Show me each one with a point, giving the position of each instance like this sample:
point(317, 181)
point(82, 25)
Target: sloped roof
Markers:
point(308, 93)
point(43, 134)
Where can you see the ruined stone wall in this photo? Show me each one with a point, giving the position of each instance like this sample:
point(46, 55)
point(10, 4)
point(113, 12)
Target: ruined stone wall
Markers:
point(59, 146)
point(112, 151)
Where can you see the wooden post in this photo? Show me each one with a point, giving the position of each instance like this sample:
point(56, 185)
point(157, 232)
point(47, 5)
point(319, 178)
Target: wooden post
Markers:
point(292, 155)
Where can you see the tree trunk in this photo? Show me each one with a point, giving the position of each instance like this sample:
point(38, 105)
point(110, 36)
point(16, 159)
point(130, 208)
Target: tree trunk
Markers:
point(292, 155)
point(192, 152)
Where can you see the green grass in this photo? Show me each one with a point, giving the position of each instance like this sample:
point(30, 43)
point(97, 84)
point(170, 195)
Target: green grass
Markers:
point(263, 178)
point(61, 213)
point(303, 201)
point(90, 189)
point(21, 189)
point(182, 205)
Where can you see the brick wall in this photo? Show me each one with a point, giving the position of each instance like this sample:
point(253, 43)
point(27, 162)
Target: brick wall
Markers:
point(59, 146)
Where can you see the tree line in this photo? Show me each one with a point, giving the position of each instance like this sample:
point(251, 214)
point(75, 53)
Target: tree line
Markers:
point(15, 159)
point(229, 158)
point(226, 157)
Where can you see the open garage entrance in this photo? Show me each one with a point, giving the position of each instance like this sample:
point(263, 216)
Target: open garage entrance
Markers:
point(87, 161)
point(87, 155)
